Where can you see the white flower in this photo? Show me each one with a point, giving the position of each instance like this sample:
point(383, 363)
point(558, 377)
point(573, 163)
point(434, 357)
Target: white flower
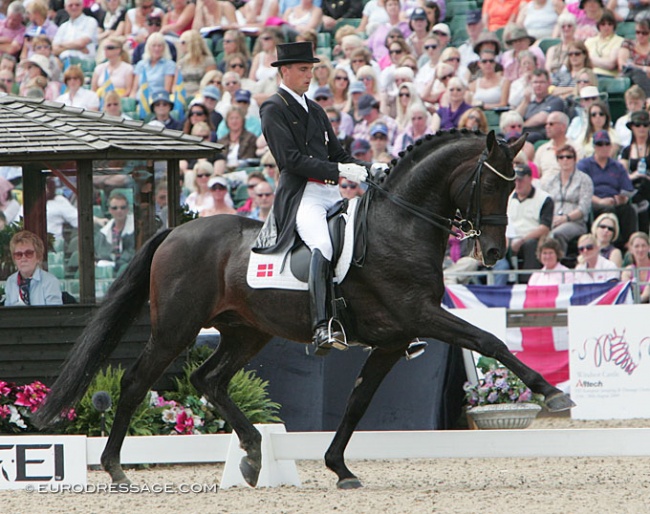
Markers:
point(15, 418)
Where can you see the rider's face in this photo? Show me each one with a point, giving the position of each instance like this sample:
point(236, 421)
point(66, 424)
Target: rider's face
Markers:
point(297, 77)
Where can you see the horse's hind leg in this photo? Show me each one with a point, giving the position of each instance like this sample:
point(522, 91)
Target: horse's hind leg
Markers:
point(376, 367)
point(236, 348)
point(135, 385)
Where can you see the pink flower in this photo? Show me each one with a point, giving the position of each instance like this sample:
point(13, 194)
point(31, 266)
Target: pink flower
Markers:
point(31, 395)
point(184, 422)
point(5, 388)
point(4, 411)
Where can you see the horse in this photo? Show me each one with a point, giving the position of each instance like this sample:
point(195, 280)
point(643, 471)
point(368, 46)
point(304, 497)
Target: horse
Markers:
point(195, 276)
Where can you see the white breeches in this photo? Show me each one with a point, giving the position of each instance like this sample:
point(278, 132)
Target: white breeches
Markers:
point(311, 219)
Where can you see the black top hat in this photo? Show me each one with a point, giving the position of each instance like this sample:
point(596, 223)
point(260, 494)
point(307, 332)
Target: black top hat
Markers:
point(295, 52)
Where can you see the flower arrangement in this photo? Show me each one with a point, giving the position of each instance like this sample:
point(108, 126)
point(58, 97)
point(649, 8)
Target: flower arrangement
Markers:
point(19, 402)
point(498, 385)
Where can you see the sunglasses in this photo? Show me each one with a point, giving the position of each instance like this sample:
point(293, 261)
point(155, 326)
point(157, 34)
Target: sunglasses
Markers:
point(202, 175)
point(641, 124)
point(392, 52)
point(457, 59)
point(236, 65)
point(264, 195)
point(341, 78)
point(605, 22)
point(118, 207)
point(597, 114)
point(335, 120)
point(111, 47)
point(348, 186)
point(585, 248)
point(218, 187)
point(488, 61)
point(379, 136)
point(28, 254)
point(157, 22)
point(430, 47)
point(607, 227)
point(270, 166)
point(573, 54)
point(642, 33)
point(440, 33)
point(321, 98)
point(405, 95)
point(197, 113)
point(602, 143)
point(565, 156)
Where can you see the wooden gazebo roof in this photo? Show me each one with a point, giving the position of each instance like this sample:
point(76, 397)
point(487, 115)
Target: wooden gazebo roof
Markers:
point(36, 130)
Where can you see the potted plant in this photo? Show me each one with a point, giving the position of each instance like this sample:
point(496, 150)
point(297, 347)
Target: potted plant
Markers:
point(500, 399)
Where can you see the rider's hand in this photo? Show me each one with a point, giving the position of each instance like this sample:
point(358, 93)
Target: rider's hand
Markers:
point(353, 172)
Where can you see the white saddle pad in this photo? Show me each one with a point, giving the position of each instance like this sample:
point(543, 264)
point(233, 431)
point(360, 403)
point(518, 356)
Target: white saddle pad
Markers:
point(265, 270)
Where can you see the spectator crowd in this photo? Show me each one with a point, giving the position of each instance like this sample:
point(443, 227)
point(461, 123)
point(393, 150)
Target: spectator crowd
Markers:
point(573, 75)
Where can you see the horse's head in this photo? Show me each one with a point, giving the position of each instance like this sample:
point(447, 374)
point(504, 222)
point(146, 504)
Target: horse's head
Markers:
point(492, 183)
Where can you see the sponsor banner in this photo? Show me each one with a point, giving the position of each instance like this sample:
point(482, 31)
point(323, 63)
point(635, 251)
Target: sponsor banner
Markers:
point(609, 362)
point(30, 462)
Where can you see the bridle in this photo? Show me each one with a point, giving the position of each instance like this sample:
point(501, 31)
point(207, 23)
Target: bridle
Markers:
point(470, 224)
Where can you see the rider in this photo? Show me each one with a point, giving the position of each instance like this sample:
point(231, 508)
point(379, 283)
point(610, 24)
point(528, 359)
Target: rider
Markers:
point(311, 160)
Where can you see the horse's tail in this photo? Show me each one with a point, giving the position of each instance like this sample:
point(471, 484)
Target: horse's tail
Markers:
point(103, 333)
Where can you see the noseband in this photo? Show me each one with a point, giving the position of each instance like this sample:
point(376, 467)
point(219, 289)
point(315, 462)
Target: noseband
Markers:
point(461, 228)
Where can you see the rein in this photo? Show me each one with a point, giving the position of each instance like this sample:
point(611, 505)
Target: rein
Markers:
point(466, 226)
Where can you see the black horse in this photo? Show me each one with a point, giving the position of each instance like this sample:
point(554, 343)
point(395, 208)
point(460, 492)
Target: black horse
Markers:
point(195, 276)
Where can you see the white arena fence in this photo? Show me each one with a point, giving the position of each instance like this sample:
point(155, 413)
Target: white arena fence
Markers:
point(281, 449)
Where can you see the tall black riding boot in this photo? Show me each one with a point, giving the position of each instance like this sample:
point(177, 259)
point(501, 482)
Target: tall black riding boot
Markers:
point(320, 275)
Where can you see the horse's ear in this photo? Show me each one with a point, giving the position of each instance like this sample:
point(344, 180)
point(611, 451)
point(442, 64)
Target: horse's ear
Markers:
point(491, 141)
point(518, 145)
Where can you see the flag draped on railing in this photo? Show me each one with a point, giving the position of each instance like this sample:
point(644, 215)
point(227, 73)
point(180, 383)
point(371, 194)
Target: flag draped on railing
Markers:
point(544, 349)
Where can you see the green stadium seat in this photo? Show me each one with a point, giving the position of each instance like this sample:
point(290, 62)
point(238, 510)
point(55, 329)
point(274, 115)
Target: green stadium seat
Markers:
point(355, 22)
point(626, 29)
point(460, 7)
point(493, 118)
point(615, 88)
point(57, 270)
point(324, 52)
point(324, 40)
point(546, 43)
point(539, 143)
point(129, 105)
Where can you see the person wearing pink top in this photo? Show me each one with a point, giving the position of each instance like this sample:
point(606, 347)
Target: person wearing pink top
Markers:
point(552, 273)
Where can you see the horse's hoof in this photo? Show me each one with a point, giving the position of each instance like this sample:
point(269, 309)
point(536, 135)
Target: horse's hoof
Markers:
point(349, 483)
point(559, 402)
point(250, 471)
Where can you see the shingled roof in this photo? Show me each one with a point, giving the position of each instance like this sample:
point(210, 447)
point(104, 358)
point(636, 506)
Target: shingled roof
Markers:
point(36, 130)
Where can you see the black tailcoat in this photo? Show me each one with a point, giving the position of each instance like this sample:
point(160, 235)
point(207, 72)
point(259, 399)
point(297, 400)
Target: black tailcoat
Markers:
point(305, 147)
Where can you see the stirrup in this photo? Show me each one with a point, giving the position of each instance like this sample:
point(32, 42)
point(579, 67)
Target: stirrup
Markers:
point(415, 349)
point(337, 338)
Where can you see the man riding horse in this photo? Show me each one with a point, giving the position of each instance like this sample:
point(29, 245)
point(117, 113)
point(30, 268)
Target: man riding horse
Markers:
point(311, 160)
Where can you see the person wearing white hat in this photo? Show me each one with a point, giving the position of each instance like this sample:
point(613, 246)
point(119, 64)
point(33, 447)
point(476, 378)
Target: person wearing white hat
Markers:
point(218, 186)
point(588, 95)
point(38, 66)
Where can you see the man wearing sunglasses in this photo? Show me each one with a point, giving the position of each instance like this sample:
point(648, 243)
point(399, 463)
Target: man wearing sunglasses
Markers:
point(612, 185)
point(115, 242)
point(311, 160)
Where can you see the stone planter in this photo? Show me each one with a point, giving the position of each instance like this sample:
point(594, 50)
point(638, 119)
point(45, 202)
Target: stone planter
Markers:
point(504, 415)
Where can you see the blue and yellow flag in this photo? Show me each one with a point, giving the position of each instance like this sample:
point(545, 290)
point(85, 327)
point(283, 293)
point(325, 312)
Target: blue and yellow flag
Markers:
point(106, 86)
point(144, 96)
point(180, 96)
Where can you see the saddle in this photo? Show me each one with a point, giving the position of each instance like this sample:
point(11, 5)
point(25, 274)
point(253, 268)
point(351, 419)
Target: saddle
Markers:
point(299, 255)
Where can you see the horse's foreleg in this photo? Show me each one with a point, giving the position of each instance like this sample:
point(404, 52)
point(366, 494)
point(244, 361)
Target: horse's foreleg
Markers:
point(456, 331)
point(135, 385)
point(236, 348)
point(376, 367)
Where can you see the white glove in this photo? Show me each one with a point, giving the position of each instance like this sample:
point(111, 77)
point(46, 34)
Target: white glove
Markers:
point(353, 172)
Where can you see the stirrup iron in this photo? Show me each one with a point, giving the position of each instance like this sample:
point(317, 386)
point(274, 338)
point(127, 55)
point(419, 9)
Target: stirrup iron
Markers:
point(339, 344)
